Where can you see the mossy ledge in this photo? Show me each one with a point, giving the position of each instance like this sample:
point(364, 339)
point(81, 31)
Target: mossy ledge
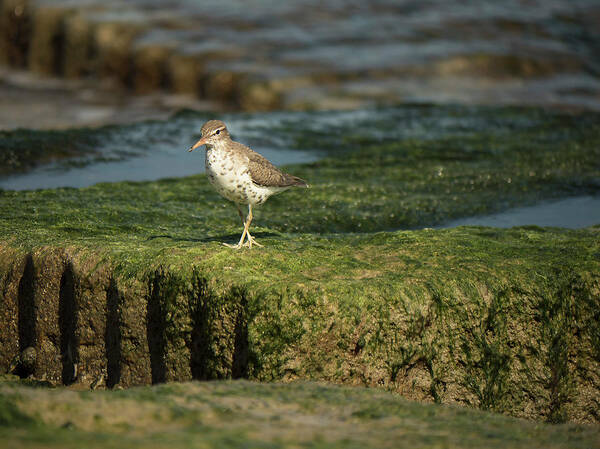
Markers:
point(505, 320)
point(243, 414)
point(127, 283)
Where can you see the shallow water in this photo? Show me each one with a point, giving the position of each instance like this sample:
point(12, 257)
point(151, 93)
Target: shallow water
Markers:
point(158, 149)
point(150, 151)
point(574, 213)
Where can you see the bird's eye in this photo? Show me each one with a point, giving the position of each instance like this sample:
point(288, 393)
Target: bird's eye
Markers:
point(218, 131)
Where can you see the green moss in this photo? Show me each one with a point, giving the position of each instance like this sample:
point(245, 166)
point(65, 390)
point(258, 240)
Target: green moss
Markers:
point(11, 416)
point(253, 415)
point(468, 315)
point(21, 149)
point(484, 161)
point(504, 320)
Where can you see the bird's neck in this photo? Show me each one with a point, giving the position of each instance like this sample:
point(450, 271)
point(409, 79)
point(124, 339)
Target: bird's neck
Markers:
point(220, 145)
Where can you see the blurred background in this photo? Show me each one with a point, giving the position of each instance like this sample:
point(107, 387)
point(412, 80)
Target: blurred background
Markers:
point(67, 63)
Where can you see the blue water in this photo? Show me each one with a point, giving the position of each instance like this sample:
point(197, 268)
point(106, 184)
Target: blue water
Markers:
point(576, 212)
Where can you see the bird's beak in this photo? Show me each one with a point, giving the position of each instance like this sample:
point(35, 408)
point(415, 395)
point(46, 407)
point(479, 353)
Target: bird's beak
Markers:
point(198, 144)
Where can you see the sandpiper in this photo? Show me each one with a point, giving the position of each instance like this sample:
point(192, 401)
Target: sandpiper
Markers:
point(240, 174)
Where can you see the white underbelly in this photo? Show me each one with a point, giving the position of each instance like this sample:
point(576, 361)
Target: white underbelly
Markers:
point(233, 181)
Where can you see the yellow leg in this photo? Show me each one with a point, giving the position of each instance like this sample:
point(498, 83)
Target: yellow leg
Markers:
point(251, 241)
point(246, 233)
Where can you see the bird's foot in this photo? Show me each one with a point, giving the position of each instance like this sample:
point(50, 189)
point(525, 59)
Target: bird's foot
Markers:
point(251, 241)
point(246, 244)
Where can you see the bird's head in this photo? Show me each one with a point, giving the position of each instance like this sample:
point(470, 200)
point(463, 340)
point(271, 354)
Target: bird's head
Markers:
point(213, 131)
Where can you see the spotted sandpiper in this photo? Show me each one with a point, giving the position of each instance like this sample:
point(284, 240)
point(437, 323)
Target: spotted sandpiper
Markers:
point(240, 174)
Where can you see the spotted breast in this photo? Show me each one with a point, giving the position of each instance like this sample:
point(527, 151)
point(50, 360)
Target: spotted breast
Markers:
point(228, 172)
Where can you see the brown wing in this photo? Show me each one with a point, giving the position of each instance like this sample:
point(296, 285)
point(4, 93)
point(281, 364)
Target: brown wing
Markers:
point(266, 174)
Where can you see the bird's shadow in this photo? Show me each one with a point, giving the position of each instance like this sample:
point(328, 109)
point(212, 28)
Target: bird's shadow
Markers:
point(225, 238)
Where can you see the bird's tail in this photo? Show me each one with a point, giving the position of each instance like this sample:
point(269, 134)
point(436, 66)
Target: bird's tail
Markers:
point(295, 181)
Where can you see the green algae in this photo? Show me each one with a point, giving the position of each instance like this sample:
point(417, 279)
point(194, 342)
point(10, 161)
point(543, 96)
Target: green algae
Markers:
point(247, 414)
point(462, 315)
point(502, 320)
point(21, 150)
point(396, 168)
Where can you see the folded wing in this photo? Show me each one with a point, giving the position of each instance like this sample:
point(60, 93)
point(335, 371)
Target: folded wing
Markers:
point(266, 174)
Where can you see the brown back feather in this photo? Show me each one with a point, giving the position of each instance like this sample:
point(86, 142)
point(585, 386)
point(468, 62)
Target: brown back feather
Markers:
point(264, 173)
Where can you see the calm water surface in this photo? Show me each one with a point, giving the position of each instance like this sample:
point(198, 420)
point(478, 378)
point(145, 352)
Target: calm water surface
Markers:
point(577, 212)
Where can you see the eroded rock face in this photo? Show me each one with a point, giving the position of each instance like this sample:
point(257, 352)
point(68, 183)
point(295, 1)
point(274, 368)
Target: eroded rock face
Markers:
point(47, 316)
point(12, 339)
point(84, 328)
point(297, 56)
point(15, 32)
point(69, 318)
point(47, 45)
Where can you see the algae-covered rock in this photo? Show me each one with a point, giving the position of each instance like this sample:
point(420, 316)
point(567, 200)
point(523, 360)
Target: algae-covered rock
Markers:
point(78, 46)
point(244, 414)
point(185, 73)
point(149, 73)
point(15, 32)
point(264, 56)
point(12, 338)
point(113, 43)
point(46, 52)
point(128, 283)
point(23, 149)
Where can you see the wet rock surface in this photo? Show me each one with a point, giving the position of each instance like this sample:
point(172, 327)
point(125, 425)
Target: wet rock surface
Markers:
point(524, 145)
point(30, 101)
point(121, 284)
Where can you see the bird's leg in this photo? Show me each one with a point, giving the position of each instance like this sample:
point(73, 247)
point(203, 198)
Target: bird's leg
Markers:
point(251, 240)
point(240, 243)
point(244, 233)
